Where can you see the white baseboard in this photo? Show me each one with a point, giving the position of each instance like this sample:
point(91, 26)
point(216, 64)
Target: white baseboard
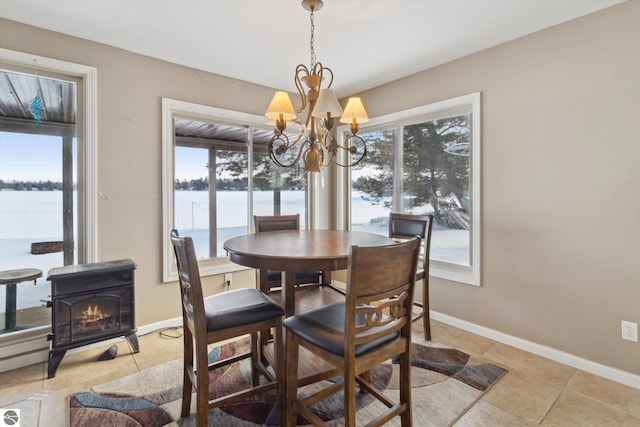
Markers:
point(613, 374)
point(30, 351)
point(24, 358)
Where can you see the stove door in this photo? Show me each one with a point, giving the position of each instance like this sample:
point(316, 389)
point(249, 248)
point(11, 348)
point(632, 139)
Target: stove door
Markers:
point(92, 317)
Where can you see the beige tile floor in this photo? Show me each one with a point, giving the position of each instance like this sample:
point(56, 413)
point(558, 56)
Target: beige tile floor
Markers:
point(535, 391)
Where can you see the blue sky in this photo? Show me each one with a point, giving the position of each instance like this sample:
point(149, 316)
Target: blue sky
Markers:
point(191, 163)
point(30, 157)
point(26, 157)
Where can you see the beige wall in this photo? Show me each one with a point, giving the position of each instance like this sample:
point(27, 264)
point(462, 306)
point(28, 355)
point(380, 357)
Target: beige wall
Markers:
point(561, 182)
point(130, 92)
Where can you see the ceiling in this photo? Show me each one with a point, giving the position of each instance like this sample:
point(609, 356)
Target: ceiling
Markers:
point(365, 42)
point(20, 93)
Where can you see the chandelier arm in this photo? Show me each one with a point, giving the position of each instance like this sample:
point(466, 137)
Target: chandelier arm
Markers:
point(317, 69)
point(297, 140)
point(351, 150)
point(285, 139)
point(287, 146)
point(327, 69)
point(301, 69)
point(329, 147)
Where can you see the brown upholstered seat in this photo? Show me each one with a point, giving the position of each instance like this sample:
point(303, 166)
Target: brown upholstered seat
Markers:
point(217, 318)
point(406, 226)
point(372, 325)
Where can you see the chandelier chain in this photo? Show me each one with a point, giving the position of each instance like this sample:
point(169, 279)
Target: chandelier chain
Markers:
point(313, 51)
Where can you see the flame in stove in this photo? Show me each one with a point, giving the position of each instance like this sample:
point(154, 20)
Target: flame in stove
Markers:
point(94, 310)
point(93, 313)
point(94, 320)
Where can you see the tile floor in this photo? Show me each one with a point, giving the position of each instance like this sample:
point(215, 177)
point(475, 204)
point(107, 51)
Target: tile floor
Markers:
point(535, 391)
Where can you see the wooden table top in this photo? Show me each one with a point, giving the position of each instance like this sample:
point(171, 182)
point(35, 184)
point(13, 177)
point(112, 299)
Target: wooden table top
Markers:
point(303, 250)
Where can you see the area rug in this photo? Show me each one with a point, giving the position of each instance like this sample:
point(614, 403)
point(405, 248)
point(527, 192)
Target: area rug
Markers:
point(445, 383)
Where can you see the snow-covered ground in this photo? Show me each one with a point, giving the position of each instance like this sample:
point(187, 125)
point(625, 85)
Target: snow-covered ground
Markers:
point(36, 216)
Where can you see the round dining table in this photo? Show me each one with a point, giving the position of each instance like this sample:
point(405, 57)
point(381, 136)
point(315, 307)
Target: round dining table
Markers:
point(303, 250)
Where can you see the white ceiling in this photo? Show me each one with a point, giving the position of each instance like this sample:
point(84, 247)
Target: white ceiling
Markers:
point(365, 42)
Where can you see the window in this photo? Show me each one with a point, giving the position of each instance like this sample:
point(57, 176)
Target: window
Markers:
point(276, 190)
point(210, 183)
point(47, 190)
point(216, 175)
point(426, 161)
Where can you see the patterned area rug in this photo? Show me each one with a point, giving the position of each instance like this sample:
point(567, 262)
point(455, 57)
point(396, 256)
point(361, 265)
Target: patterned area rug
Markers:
point(445, 383)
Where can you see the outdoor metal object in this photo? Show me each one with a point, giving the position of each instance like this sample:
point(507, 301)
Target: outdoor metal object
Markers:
point(11, 278)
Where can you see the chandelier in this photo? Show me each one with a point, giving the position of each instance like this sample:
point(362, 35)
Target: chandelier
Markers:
point(315, 142)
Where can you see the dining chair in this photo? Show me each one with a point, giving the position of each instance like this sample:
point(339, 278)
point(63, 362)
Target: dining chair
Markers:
point(220, 317)
point(406, 226)
point(371, 326)
point(269, 279)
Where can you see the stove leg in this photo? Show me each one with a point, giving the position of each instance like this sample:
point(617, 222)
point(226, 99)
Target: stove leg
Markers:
point(133, 342)
point(55, 357)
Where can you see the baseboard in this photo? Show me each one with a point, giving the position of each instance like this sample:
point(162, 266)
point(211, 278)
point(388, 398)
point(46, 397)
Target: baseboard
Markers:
point(30, 351)
point(613, 374)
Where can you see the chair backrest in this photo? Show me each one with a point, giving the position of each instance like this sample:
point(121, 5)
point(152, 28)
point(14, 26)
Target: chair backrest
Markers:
point(380, 284)
point(276, 223)
point(190, 285)
point(406, 226)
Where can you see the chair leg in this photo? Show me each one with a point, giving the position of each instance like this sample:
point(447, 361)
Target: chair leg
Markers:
point(202, 387)
point(349, 399)
point(405, 386)
point(366, 376)
point(291, 385)
point(279, 352)
point(264, 336)
point(426, 318)
point(255, 377)
point(187, 385)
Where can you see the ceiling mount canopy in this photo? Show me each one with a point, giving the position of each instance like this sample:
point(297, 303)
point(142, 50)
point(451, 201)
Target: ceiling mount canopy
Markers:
point(314, 143)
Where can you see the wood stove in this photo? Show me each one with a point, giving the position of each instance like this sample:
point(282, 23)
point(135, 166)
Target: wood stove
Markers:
point(91, 303)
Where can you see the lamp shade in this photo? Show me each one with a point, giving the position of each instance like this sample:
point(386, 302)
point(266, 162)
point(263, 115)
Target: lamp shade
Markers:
point(280, 104)
point(327, 103)
point(354, 112)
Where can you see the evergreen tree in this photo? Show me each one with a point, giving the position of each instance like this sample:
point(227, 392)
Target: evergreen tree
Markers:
point(432, 175)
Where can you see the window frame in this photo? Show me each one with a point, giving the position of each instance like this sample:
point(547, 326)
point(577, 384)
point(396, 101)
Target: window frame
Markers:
point(466, 103)
point(88, 133)
point(23, 347)
point(172, 108)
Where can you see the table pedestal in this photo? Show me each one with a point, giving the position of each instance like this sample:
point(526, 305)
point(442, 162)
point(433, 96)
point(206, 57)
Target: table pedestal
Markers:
point(11, 278)
point(311, 368)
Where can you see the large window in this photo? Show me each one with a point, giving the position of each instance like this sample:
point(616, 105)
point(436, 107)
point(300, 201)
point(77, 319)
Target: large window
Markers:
point(216, 176)
point(211, 179)
point(426, 161)
point(47, 178)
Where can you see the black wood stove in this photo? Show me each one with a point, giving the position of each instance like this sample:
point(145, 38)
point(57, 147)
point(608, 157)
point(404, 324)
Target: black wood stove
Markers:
point(91, 303)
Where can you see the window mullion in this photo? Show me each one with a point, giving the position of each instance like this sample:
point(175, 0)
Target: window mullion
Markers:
point(250, 160)
point(398, 171)
point(213, 218)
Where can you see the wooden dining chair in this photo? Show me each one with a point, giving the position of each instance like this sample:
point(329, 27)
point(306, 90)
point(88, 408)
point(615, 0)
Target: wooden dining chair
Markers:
point(269, 279)
point(406, 226)
point(222, 317)
point(371, 326)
